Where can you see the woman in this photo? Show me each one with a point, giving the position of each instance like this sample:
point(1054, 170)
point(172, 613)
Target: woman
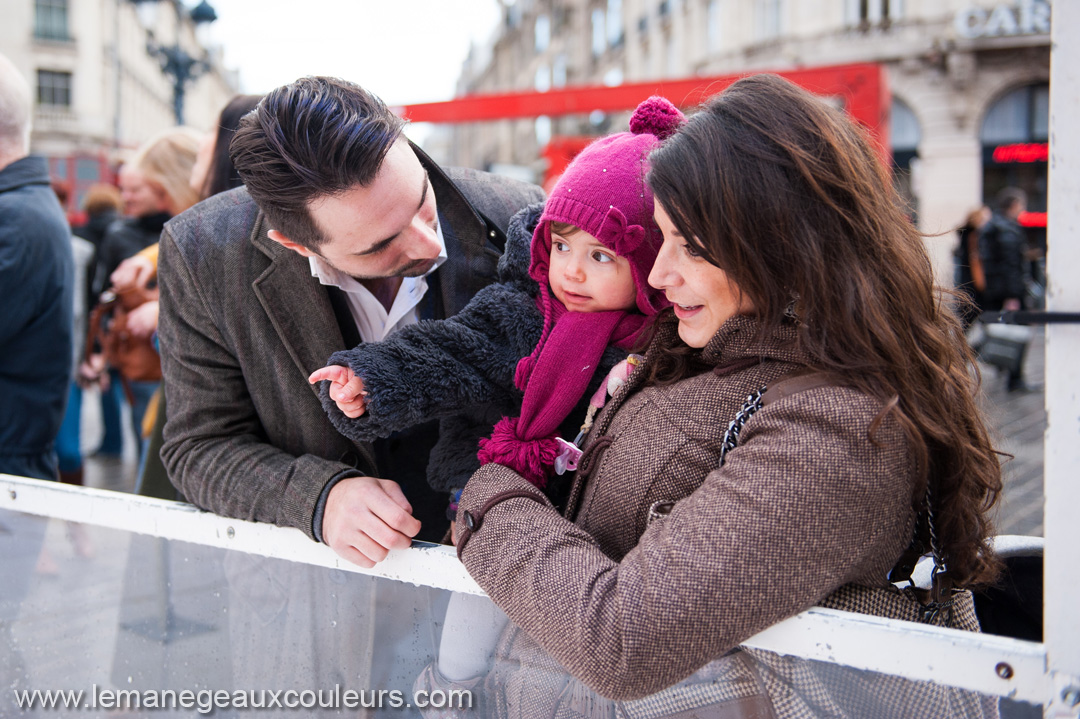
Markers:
point(786, 254)
point(970, 277)
point(155, 186)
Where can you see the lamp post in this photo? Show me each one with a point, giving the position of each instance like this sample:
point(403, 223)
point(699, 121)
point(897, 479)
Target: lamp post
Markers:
point(177, 64)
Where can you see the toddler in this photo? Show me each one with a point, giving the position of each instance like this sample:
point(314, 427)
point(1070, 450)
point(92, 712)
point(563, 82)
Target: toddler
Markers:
point(571, 300)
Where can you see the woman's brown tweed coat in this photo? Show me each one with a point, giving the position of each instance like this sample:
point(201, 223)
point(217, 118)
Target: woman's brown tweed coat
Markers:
point(806, 504)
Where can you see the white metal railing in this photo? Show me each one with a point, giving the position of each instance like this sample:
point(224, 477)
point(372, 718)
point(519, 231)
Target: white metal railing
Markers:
point(978, 662)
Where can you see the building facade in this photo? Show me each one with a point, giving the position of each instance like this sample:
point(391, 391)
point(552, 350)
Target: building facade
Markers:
point(99, 93)
point(968, 79)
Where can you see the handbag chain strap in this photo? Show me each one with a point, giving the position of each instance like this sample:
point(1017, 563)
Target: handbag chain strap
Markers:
point(749, 408)
point(939, 584)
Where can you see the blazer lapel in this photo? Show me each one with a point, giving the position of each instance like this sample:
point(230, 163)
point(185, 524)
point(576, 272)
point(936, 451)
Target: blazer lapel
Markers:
point(297, 305)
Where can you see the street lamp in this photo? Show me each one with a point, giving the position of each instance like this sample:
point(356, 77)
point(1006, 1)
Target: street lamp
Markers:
point(177, 64)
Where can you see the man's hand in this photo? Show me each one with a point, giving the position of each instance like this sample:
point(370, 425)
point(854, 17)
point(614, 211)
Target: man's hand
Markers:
point(1011, 305)
point(135, 271)
point(346, 389)
point(365, 518)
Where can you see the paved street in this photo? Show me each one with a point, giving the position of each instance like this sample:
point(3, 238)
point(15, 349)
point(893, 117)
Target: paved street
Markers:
point(1019, 422)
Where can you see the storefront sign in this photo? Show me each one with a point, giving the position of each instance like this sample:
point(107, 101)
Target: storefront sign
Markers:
point(1022, 152)
point(1027, 17)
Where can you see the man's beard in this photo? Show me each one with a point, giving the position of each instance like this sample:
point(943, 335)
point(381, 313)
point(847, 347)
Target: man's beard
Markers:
point(416, 268)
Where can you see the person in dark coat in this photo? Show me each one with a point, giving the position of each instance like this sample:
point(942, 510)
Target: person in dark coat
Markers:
point(37, 273)
point(37, 270)
point(1002, 250)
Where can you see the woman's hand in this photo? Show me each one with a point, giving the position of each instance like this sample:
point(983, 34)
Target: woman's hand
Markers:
point(143, 320)
point(135, 271)
point(92, 372)
point(346, 389)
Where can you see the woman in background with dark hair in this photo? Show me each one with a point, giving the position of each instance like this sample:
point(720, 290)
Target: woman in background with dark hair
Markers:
point(803, 425)
point(214, 171)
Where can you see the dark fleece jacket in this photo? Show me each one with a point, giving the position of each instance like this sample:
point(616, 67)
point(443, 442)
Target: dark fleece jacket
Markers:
point(459, 370)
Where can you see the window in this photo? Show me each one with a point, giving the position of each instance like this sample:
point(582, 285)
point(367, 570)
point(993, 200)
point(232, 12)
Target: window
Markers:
point(1020, 116)
point(872, 12)
point(672, 57)
point(542, 129)
point(54, 88)
point(614, 23)
point(599, 33)
point(513, 17)
point(904, 127)
point(768, 18)
point(542, 79)
point(558, 71)
point(51, 19)
point(542, 33)
point(714, 40)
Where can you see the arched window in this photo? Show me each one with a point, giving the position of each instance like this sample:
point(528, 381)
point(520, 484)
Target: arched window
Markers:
point(1022, 115)
point(904, 136)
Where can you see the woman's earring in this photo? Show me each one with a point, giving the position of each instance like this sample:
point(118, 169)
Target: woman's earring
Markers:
point(790, 312)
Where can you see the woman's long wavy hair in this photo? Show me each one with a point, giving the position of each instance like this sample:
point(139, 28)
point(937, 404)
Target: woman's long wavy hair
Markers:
point(792, 201)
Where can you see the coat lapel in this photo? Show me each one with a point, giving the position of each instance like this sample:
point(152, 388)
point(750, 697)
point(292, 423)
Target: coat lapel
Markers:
point(297, 305)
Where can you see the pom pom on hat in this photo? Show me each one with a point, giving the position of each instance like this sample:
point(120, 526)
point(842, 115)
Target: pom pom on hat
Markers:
point(656, 116)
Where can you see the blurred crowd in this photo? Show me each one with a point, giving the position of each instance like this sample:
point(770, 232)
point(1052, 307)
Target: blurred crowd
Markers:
point(113, 290)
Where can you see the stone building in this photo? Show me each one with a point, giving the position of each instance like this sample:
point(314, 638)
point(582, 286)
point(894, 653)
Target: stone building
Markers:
point(99, 92)
point(968, 79)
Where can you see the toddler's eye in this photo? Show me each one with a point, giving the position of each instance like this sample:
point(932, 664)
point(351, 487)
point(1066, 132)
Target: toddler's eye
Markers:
point(601, 257)
point(559, 246)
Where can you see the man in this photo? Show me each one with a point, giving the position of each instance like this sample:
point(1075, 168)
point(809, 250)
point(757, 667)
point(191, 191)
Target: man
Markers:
point(1002, 250)
point(336, 239)
point(37, 272)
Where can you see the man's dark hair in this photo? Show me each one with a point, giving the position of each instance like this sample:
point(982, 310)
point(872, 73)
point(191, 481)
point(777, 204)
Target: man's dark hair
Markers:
point(1009, 197)
point(312, 138)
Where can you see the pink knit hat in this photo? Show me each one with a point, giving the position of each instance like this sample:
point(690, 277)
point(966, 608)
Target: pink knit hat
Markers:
point(604, 193)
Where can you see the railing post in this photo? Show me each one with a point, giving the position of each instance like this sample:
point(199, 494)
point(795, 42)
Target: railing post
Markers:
point(1061, 630)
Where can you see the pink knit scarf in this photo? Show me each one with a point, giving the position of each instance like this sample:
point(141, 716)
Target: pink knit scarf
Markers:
point(554, 378)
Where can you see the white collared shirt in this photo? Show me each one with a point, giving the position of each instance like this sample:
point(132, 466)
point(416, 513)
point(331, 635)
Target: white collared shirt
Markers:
point(372, 319)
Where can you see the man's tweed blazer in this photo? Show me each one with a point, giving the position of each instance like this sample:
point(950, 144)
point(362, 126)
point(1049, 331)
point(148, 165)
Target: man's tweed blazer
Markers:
point(243, 323)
